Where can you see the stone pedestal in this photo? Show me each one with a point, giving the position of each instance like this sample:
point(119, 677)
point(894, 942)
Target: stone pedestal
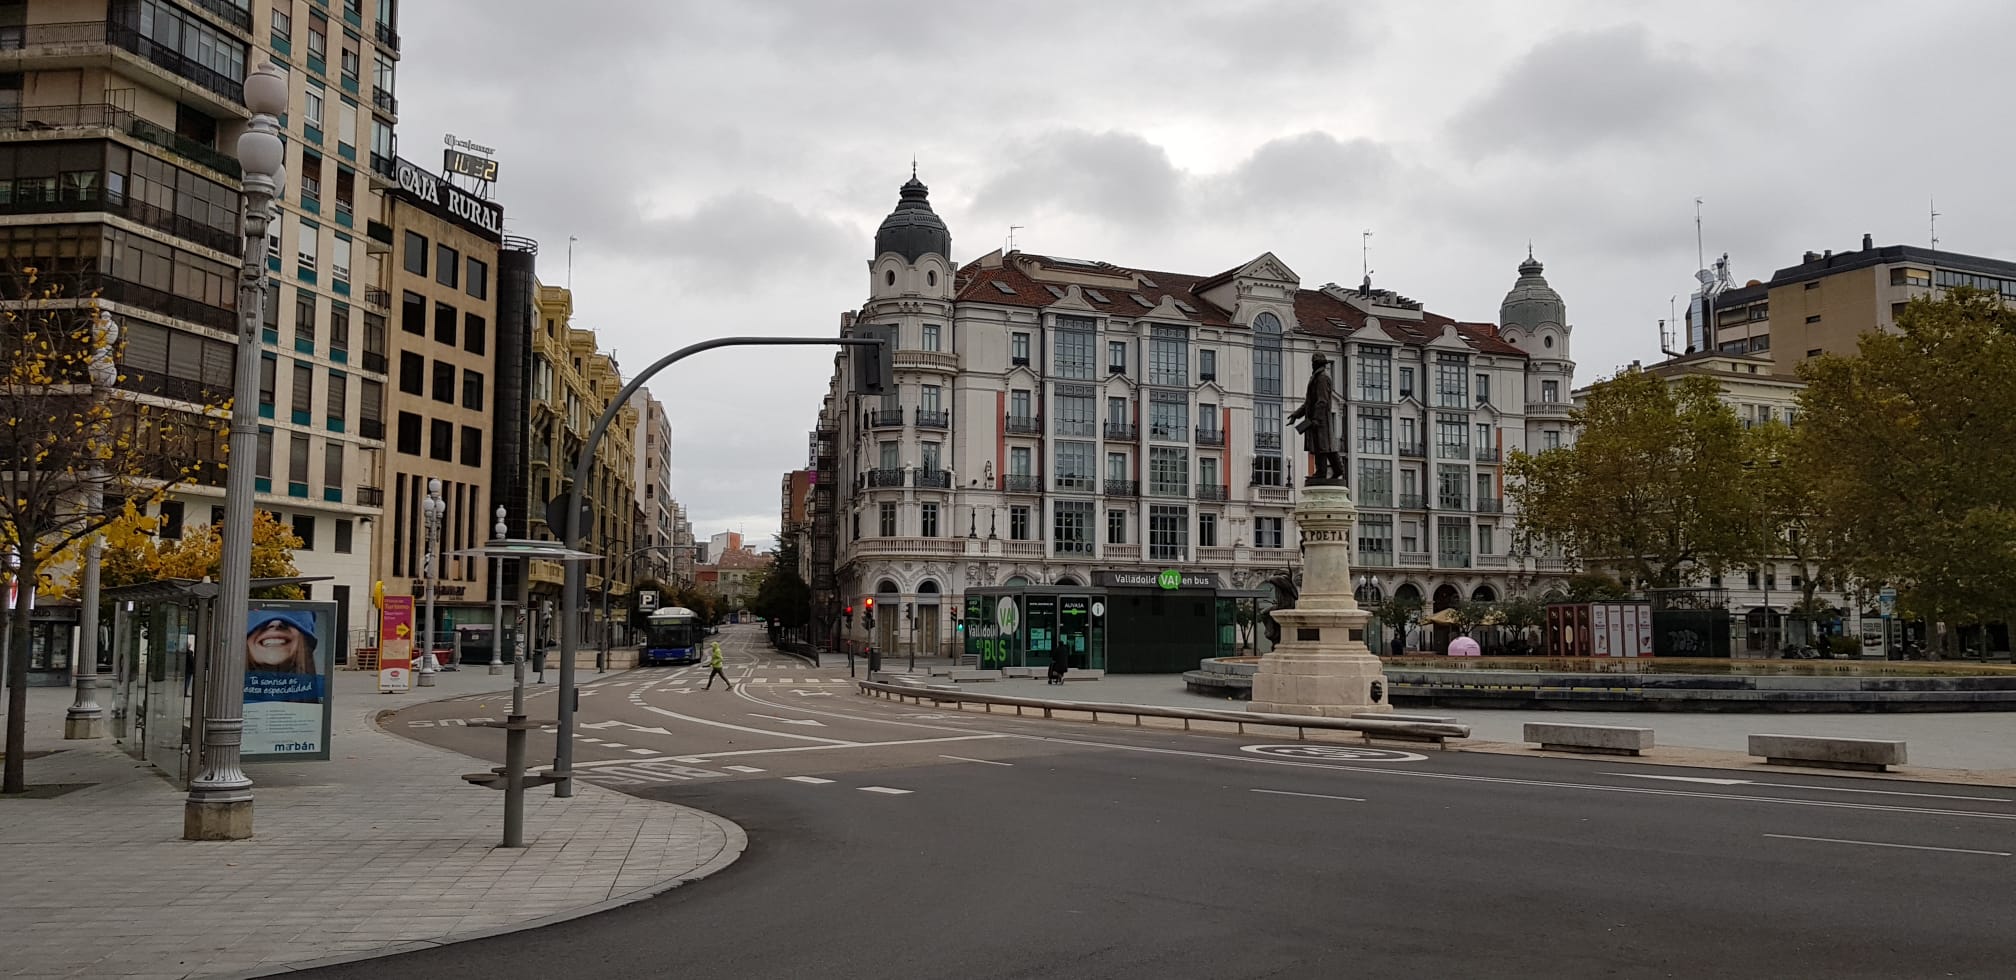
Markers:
point(217, 821)
point(1322, 666)
point(86, 726)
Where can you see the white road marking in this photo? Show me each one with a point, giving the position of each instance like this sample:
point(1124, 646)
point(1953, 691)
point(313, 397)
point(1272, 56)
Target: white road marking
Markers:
point(1812, 786)
point(791, 721)
point(614, 745)
point(1875, 843)
point(1682, 779)
point(743, 728)
point(644, 751)
point(1313, 796)
point(961, 758)
point(885, 789)
point(703, 757)
point(813, 780)
point(744, 769)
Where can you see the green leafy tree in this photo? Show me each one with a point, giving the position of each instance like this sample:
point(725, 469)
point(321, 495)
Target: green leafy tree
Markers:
point(1652, 487)
point(1781, 483)
point(1399, 612)
point(782, 597)
point(1595, 587)
point(1910, 444)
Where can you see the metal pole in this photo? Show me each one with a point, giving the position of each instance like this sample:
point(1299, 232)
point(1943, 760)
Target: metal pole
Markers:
point(85, 718)
point(574, 534)
point(514, 726)
point(602, 656)
point(431, 509)
point(497, 594)
point(219, 805)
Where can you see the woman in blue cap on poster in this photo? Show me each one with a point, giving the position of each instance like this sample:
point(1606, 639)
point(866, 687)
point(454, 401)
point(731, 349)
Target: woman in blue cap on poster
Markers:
point(280, 656)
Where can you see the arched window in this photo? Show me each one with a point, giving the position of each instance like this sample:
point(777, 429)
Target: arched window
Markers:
point(1016, 580)
point(1484, 593)
point(931, 277)
point(1266, 354)
point(886, 587)
point(889, 277)
point(928, 587)
point(1067, 580)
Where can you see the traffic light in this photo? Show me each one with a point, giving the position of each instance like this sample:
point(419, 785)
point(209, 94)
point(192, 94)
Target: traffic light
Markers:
point(848, 612)
point(868, 612)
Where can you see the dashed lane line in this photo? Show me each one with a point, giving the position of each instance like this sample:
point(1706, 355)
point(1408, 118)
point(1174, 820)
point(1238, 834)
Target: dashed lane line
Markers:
point(888, 790)
point(809, 780)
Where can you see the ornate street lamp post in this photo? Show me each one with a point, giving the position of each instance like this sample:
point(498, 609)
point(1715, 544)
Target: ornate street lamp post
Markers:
point(432, 509)
point(219, 805)
point(86, 719)
point(497, 596)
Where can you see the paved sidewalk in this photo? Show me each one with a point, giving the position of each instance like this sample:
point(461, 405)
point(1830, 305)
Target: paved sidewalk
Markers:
point(379, 850)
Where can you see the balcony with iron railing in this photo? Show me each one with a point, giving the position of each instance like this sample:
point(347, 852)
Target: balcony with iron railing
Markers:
point(933, 419)
point(1024, 425)
point(73, 38)
point(1452, 450)
point(1412, 450)
point(885, 418)
point(1488, 455)
point(112, 202)
point(1168, 489)
point(1022, 483)
point(935, 479)
point(1076, 427)
point(387, 36)
point(384, 168)
point(1451, 501)
point(384, 101)
point(231, 13)
point(1413, 501)
point(60, 119)
point(1169, 433)
point(1123, 431)
point(1123, 488)
point(1211, 491)
point(1210, 437)
point(1266, 440)
point(885, 477)
point(370, 497)
point(379, 298)
point(1490, 505)
point(1069, 482)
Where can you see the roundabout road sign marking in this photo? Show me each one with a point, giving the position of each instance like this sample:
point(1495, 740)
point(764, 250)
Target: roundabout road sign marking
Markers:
point(1336, 753)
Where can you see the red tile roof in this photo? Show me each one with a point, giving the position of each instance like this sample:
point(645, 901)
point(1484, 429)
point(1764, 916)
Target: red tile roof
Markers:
point(1316, 312)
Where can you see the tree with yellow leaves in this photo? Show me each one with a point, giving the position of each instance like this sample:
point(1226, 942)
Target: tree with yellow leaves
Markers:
point(75, 449)
point(200, 553)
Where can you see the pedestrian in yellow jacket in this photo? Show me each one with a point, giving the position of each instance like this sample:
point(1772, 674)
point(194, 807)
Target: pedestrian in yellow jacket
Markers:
point(714, 662)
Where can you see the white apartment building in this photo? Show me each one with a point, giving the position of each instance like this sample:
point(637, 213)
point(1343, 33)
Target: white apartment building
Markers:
point(1067, 422)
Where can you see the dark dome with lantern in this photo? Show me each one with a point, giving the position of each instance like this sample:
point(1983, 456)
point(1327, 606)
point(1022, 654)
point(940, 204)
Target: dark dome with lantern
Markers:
point(913, 230)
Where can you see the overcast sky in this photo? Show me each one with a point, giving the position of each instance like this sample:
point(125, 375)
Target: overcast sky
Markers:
point(725, 165)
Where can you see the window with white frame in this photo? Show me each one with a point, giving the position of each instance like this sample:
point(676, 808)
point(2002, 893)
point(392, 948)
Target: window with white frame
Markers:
point(1072, 527)
point(1169, 356)
point(931, 338)
point(1075, 337)
point(1168, 471)
point(1168, 533)
point(1375, 374)
point(1267, 532)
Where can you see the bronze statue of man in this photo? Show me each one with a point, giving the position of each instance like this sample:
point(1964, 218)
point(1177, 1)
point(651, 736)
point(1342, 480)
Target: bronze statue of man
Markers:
point(1312, 419)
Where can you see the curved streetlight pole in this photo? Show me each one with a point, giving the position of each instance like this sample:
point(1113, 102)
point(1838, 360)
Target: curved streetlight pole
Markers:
point(574, 535)
point(219, 805)
point(431, 509)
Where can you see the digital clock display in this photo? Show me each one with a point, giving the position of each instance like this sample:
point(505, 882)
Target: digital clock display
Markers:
point(468, 165)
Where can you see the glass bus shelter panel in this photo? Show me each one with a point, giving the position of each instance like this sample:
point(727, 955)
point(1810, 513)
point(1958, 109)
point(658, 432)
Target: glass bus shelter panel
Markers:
point(169, 663)
point(1074, 630)
point(1044, 645)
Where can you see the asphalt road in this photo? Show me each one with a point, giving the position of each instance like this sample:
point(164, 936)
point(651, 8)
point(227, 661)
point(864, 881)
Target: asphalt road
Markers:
point(893, 841)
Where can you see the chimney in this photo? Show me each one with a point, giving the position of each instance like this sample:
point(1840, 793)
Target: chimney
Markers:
point(1867, 242)
point(1810, 257)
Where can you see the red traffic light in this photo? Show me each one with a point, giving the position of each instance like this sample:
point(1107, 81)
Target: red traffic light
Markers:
point(849, 610)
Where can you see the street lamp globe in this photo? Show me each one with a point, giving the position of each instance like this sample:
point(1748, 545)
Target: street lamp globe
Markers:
point(265, 92)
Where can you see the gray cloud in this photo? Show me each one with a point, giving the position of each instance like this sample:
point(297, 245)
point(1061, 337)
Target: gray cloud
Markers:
point(1578, 91)
point(1114, 175)
point(725, 164)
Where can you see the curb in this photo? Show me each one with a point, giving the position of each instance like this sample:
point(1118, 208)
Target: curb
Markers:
point(736, 843)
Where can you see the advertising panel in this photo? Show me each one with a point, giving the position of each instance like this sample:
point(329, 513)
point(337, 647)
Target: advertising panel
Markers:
point(290, 650)
point(1599, 617)
point(395, 644)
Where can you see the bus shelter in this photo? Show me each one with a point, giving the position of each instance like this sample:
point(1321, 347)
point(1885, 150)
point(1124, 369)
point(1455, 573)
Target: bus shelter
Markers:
point(157, 678)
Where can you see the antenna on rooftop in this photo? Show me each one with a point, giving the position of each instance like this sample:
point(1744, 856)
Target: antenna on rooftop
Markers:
point(1012, 229)
point(1365, 254)
point(1700, 250)
point(1933, 206)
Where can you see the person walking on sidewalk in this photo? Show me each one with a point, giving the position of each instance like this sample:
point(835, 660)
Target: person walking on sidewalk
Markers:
point(714, 662)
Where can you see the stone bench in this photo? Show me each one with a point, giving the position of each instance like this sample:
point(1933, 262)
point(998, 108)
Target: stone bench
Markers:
point(1598, 739)
point(1027, 672)
point(1084, 675)
point(1867, 754)
point(967, 676)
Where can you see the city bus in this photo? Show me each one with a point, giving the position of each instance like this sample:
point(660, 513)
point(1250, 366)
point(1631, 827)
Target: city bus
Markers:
point(672, 637)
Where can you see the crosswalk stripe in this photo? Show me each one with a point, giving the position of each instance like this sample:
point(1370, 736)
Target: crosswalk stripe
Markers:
point(744, 769)
point(814, 780)
point(892, 791)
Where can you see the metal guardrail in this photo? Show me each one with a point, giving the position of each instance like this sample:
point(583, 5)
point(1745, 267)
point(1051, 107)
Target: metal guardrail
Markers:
point(1417, 730)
